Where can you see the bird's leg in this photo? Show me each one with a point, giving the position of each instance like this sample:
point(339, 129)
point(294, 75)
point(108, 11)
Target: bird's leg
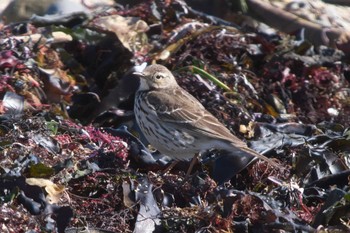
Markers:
point(193, 162)
point(171, 166)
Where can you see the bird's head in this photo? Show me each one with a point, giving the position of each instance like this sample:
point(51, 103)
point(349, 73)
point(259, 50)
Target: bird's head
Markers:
point(155, 77)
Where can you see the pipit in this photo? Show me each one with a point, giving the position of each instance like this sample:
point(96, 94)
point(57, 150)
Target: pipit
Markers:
point(177, 124)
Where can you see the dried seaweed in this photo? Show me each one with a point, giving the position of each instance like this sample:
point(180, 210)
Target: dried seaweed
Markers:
point(66, 80)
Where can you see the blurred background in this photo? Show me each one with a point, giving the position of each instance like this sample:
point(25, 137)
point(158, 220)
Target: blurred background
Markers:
point(325, 22)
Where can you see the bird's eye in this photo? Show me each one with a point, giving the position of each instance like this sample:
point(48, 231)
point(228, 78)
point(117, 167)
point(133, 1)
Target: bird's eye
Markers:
point(158, 76)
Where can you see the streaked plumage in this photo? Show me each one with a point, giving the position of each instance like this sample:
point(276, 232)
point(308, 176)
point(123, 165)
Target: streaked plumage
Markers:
point(177, 124)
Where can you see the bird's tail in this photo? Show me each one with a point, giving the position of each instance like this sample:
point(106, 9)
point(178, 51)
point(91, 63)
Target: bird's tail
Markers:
point(260, 156)
point(232, 162)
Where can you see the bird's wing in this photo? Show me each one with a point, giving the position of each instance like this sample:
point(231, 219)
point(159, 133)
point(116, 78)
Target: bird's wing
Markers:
point(177, 106)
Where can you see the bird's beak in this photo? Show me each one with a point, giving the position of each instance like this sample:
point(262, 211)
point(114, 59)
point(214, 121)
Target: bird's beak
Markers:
point(139, 74)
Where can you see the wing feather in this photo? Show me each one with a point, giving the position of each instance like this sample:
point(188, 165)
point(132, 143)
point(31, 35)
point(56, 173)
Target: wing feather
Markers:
point(178, 107)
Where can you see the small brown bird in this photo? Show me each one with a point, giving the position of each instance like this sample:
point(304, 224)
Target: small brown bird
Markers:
point(177, 124)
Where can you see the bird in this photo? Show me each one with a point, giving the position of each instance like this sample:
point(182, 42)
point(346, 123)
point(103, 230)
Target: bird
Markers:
point(176, 124)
